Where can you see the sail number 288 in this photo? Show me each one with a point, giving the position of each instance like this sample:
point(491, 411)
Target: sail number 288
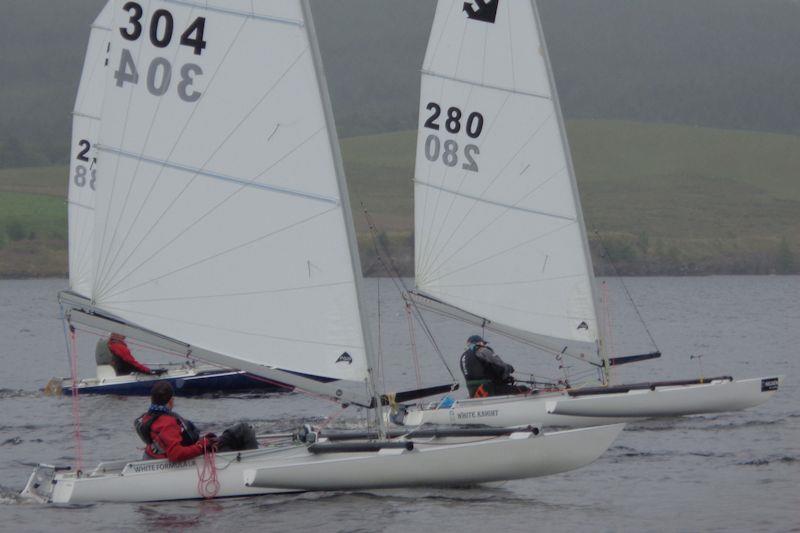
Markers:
point(454, 122)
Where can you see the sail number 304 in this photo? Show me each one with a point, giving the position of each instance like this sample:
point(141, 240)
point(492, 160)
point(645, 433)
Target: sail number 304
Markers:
point(159, 72)
point(454, 122)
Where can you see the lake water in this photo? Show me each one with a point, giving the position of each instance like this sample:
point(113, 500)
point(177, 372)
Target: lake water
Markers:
point(730, 472)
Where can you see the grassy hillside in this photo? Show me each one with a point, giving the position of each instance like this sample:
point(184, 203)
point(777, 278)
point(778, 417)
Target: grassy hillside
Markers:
point(662, 198)
point(725, 63)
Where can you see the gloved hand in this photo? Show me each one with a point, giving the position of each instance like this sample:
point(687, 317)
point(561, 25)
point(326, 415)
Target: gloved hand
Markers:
point(158, 371)
point(210, 442)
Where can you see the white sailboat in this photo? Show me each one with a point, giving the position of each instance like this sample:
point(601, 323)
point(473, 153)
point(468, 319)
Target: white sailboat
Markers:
point(223, 231)
point(190, 377)
point(500, 238)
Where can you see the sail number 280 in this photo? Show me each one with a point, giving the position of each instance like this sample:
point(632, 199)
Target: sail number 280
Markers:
point(454, 122)
point(159, 72)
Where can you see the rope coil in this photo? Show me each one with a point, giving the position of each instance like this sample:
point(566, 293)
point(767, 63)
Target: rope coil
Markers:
point(207, 481)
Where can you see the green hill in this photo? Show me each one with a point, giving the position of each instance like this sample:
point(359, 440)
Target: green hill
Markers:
point(664, 199)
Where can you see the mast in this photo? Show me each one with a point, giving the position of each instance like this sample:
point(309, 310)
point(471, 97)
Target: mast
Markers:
point(348, 216)
point(601, 349)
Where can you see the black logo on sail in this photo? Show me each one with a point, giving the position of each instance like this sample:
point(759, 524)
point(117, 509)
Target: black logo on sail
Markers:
point(483, 10)
point(583, 325)
point(345, 358)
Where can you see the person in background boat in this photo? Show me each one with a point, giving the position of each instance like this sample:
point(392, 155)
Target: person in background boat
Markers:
point(115, 352)
point(170, 436)
point(485, 372)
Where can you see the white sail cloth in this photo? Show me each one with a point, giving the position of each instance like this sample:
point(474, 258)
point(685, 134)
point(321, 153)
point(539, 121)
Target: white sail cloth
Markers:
point(83, 165)
point(499, 230)
point(220, 221)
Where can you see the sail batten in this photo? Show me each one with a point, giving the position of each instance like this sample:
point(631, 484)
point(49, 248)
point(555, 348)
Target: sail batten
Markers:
point(198, 171)
point(498, 225)
point(484, 85)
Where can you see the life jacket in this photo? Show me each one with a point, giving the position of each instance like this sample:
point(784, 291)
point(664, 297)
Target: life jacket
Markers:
point(472, 367)
point(189, 433)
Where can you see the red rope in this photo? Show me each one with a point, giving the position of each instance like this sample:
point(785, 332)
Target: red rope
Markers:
point(76, 412)
point(207, 480)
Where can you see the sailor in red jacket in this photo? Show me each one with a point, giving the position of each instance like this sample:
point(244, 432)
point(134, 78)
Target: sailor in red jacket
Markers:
point(166, 433)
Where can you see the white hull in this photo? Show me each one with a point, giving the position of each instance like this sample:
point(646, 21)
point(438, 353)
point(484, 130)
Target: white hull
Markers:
point(559, 409)
point(292, 468)
point(471, 461)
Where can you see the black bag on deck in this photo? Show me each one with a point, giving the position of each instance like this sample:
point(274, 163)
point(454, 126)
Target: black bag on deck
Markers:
point(242, 436)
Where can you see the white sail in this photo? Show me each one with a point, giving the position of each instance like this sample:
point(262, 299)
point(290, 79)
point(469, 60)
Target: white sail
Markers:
point(83, 166)
point(221, 221)
point(499, 229)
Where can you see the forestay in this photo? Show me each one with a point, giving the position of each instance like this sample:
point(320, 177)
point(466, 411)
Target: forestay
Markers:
point(499, 229)
point(83, 163)
point(220, 219)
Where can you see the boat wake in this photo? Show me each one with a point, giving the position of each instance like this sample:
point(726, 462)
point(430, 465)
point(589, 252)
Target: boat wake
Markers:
point(11, 497)
point(773, 459)
point(18, 393)
point(618, 453)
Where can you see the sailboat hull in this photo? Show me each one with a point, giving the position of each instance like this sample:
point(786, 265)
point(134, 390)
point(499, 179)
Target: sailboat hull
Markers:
point(185, 382)
point(714, 397)
point(293, 468)
point(437, 463)
point(559, 409)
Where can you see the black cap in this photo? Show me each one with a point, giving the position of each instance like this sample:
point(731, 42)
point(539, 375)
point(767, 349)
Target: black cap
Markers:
point(475, 339)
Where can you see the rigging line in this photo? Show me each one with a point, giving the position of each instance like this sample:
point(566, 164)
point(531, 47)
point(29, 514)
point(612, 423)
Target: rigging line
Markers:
point(483, 63)
point(488, 186)
point(441, 35)
point(99, 59)
point(509, 308)
point(430, 244)
point(508, 335)
point(221, 253)
point(508, 208)
point(219, 204)
point(178, 140)
point(113, 178)
point(427, 260)
point(239, 13)
point(133, 179)
point(422, 237)
point(500, 283)
point(502, 252)
point(447, 170)
point(434, 52)
point(243, 332)
point(511, 46)
point(625, 287)
point(401, 286)
point(235, 294)
point(243, 185)
point(172, 149)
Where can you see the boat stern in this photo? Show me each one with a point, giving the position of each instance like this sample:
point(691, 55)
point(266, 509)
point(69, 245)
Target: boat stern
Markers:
point(41, 484)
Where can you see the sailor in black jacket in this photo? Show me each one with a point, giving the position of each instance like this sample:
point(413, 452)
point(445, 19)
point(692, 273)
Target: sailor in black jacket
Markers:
point(485, 372)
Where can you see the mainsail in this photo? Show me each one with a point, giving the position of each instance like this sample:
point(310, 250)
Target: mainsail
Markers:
point(499, 230)
point(83, 164)
point(222, 218)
